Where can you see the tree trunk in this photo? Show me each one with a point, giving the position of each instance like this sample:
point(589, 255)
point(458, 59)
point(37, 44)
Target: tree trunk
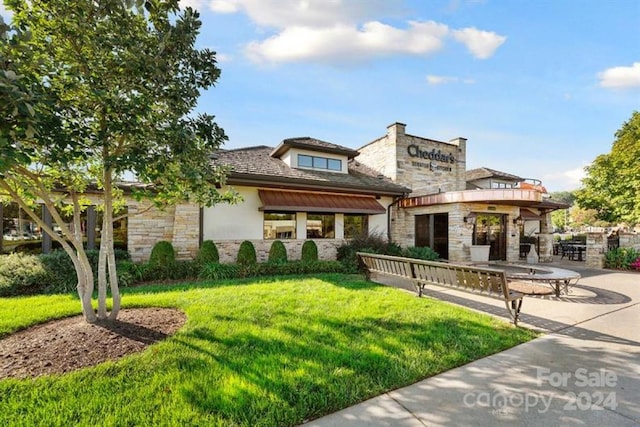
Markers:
point(107, 255)
point(81, 264)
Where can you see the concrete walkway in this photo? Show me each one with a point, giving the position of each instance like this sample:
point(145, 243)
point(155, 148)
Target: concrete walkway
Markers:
point(585, 370)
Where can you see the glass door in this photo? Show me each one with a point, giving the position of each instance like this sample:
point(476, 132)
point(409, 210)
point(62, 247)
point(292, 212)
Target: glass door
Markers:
point(490, 229)
point(433, 231)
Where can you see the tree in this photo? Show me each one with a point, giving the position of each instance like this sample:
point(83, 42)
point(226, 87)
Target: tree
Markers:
point(560, 218)
point(124, 77)
point(612, 184)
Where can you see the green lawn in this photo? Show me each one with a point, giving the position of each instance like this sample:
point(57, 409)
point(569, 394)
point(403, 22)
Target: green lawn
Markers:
point(255, 353)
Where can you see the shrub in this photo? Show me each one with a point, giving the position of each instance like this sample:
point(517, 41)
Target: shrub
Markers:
point(621, 258)
point(367, 242)
point(62, 274)
point(309, 251)
point(421, 252)
point(129, 273)
point(162, 253)
point(176, 270)
point(233, 271)
point(215, 271)
point(208, 253)
point(277, 252)
point(246, 254)
point(21, 274)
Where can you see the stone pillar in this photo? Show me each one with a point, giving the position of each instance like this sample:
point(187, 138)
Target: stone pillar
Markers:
point(186, 231)
point(546, 239)
point(596, 249)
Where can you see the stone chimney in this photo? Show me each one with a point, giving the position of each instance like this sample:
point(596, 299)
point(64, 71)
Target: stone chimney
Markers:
point(395, 129)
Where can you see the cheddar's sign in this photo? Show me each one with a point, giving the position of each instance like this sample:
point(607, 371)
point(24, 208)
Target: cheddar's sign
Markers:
point(415, 151)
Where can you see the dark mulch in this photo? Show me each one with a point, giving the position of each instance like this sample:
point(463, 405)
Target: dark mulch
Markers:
point(68, 344)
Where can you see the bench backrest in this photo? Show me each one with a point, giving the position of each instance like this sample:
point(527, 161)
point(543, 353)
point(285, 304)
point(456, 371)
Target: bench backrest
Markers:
point(485, 281)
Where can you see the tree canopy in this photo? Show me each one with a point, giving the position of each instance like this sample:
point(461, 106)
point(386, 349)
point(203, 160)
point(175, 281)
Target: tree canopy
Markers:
point(100, 88)
point(612, 184)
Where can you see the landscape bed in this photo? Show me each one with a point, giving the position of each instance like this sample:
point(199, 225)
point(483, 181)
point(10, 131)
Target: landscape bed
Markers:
point(275, 351)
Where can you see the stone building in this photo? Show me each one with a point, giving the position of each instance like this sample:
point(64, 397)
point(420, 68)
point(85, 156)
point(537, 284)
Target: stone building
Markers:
point(412, 190)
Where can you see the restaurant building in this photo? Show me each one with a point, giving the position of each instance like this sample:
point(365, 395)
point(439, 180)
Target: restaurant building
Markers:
point(411, 190)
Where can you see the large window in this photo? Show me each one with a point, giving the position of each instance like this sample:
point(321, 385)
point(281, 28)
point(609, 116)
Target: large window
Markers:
point(355, 225)
point(316, 162)
point(279, 225)
point(321, 226)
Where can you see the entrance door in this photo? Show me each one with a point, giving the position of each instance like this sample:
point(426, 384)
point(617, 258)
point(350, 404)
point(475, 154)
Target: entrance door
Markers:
point(491, 229)
point(433, 231)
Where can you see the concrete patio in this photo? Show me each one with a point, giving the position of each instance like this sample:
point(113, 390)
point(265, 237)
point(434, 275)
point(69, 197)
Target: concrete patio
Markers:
point(584, 370)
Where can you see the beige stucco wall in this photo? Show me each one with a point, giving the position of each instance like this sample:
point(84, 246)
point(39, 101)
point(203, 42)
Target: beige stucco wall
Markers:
point(227, 225)
point(240, 221)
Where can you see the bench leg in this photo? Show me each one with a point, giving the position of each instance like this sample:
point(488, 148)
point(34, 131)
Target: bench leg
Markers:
point(419, 289)
point(514, 310)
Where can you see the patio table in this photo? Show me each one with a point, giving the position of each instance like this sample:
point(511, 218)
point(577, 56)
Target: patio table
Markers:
point(558, 278)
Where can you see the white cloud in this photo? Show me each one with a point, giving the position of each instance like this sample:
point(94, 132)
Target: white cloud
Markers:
point(338, 31)
point(621, 77)
point(224, 6)
point(481, 44)
point(344, 43)
point(438, 80)
point(223, 57)
point(195, 4)
point(566, 180)
point(309, 13)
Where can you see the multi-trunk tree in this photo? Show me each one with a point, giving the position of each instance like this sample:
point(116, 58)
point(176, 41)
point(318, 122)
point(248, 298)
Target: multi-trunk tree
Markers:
point(113, 85)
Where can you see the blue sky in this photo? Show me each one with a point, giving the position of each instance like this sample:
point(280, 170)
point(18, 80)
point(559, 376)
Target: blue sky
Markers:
point(538, 88)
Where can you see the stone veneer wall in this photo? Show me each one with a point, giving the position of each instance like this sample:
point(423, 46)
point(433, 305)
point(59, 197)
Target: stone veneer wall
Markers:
point(597, 247)
point(390, 156)
point(327, 249)
point(460, 233)
point(177, 224)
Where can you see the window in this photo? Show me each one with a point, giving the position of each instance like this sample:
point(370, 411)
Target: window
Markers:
point(279, 225)
point(355, 225)
point(316, 162)
point(321, 226)
point(335, 165)
point(305, 161)
point(498, 184)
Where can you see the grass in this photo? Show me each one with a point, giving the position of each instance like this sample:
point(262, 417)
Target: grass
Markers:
point(255, 353)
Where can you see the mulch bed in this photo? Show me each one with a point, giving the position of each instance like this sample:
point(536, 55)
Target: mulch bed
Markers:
point(68, 344)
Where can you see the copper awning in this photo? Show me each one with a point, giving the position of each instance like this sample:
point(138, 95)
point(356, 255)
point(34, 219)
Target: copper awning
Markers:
point(290, 201)
point(527, 215)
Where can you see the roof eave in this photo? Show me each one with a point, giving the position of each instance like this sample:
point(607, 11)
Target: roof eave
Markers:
point(268, 181)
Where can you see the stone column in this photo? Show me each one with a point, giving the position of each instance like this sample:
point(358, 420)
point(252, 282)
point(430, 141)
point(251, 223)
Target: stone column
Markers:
point(546, 239)
point(596, 249)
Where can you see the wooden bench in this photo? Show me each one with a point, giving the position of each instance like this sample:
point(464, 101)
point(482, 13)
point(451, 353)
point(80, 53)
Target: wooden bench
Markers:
point(479, 281)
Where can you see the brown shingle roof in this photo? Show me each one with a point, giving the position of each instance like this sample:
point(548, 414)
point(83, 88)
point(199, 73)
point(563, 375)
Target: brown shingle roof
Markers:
point(483, 173)
point(255, 166)
point(313, 144)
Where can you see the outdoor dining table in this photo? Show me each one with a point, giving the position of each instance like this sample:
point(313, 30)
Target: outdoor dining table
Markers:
point(558, 278)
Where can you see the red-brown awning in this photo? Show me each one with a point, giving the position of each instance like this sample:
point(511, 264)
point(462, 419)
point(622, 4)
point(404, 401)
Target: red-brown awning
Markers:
point(289, 201)
point(528, 215)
